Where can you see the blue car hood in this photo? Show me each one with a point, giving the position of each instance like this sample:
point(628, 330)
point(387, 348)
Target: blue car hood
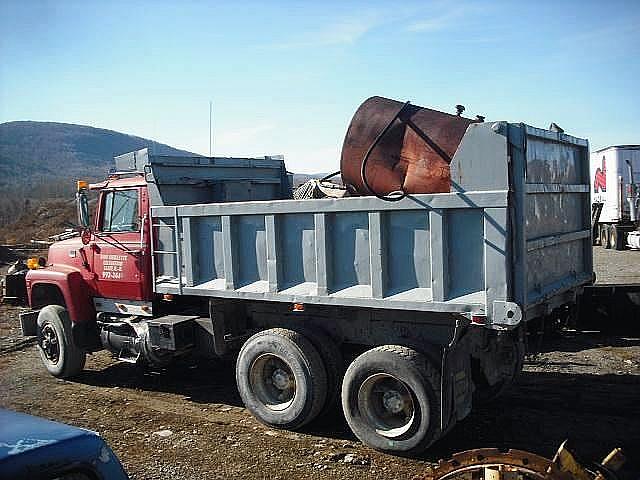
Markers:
point(31, 447)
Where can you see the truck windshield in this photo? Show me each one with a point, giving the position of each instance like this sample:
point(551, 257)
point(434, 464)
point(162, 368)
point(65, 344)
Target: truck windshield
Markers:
point(120, 211)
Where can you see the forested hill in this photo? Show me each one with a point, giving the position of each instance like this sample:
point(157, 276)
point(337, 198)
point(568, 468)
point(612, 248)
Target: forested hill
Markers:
point(40, 152)
point(41, 161)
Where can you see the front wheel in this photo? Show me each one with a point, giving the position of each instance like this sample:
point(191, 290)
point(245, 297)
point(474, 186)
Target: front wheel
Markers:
point(390, 398)
point(60, 355)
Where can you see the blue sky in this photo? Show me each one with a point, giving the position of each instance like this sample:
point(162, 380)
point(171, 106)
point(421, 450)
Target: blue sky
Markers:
point(286, 77)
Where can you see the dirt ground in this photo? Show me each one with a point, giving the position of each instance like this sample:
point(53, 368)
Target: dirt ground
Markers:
point(189, 423)
point(612, 266)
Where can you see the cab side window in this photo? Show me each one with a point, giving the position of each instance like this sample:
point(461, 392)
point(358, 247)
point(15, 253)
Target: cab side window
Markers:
point(120, 211)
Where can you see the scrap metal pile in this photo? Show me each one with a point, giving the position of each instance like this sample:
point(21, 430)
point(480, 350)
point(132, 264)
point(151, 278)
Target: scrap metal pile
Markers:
point(495, 464)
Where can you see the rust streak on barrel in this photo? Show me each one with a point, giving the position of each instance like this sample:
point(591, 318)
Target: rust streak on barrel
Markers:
point(413, 156)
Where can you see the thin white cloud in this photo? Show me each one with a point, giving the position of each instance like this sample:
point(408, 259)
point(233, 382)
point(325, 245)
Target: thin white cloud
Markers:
point(618, 32)
point(344, 31)
point(446, 15)
point(434, 24)
point(348, 29)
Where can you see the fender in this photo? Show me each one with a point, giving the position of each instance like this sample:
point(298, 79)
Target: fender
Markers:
point(74, 287)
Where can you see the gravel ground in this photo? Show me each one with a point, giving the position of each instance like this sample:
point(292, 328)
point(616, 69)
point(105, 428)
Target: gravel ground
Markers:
point(188, 422)
point(613, 266)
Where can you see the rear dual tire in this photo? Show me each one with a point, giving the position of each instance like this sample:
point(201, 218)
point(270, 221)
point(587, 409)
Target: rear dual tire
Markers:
point(390, 394)
point(281, 378)
point(391, 401)
point(333, 364)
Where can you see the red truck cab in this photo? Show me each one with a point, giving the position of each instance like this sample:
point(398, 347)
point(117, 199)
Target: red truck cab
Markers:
point(110, 261)
point(106, 268)
point(95, 289)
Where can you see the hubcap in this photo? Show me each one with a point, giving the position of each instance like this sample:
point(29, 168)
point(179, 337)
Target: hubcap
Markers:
point(272, 381)
point(281, 379)
point(387, 404)
point(393, 401)
point(49, 343)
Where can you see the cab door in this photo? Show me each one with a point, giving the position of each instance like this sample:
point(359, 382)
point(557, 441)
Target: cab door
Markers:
point(121, 260)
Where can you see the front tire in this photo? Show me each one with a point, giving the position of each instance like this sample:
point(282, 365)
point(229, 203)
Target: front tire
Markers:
point(390, 398)
point(281, 378)
point(60, 355)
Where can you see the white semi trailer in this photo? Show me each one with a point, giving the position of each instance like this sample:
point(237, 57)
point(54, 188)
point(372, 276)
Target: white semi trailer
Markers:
point(615, 196)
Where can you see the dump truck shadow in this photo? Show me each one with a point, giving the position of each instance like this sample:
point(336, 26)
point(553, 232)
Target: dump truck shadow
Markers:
point(210, 381)
point(540, 411)
point(595, 412)
point(577, 341)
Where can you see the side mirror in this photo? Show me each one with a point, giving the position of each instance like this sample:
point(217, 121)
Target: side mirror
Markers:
point(82, 205)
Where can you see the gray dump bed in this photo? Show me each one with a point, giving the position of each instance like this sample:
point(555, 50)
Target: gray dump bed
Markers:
point(511, 240)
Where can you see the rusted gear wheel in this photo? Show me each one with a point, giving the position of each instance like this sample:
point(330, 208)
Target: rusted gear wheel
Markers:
point(493, 464)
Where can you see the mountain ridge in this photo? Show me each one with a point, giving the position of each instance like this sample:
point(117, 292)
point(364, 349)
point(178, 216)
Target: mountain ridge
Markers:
point(37, 152)
point(40, 162)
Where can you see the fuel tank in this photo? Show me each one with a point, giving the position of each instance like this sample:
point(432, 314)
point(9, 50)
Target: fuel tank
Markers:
point(403, 147)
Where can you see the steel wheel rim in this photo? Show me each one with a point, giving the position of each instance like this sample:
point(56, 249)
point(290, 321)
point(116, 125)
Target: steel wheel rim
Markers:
point(273, 381)
point(50, 344)
point(387, 403)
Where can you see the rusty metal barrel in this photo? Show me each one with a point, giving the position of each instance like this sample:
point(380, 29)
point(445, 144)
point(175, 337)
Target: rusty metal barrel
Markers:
point(392, 146)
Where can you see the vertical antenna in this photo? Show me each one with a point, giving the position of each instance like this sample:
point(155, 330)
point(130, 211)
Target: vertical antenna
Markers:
point(210, 129)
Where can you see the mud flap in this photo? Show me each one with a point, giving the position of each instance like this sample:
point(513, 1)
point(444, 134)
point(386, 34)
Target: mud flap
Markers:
point(29, 323)
point(86, 335)
point(457, 384)
point(229, 325)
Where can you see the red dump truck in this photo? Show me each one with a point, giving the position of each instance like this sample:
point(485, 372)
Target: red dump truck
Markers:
point(406, 308)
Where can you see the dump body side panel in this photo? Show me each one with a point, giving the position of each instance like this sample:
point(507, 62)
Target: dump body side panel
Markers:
point(513, 234)
point(424, 253)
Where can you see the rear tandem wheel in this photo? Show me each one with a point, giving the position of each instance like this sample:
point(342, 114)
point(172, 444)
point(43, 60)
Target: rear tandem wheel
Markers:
point(391, 400)
point(281, 378)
